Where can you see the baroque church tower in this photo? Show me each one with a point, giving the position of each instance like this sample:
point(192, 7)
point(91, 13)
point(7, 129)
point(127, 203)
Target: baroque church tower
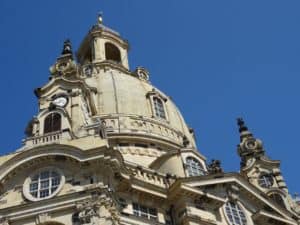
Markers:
point(109, 148)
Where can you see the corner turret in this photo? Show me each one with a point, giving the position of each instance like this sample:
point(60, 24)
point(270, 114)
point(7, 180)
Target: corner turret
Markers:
point(65, 64)
point(260, 170)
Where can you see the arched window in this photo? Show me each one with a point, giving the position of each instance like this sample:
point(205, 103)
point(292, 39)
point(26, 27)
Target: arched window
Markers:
point(112, 52)
point(265, 180)
point(159, 108)
point(194, 167)
point(52, 123)
point(277, 198)
point(235, 214)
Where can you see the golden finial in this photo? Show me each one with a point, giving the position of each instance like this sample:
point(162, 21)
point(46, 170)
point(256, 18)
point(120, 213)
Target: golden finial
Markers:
point(100, 18)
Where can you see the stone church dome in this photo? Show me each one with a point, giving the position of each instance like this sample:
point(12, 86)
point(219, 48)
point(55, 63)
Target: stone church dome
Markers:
point(129, 96)
point(99, 95)
point(141, 107)
point(107, 147)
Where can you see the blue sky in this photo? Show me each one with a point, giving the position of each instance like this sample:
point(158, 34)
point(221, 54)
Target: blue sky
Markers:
point(218, 60)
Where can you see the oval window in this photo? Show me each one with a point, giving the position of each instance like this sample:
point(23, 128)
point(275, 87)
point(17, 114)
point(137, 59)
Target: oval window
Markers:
point(43, 184)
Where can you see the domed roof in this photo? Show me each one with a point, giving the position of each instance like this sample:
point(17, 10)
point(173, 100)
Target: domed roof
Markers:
point(126, 94)
point(139, 107)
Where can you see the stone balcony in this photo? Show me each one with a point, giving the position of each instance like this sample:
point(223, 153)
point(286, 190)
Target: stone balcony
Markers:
point(141, 126)
point(53, 137)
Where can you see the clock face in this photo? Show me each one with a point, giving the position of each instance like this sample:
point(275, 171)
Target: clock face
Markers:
point(60, 101)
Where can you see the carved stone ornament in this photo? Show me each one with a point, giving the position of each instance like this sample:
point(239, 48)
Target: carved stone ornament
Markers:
point(233, 192)
point(101, 210)
point(251, 144)
point(89, 214)
point(185, 141)
point(215, 167)
point(142, 73)
point(4, 221)
point(42, 218)
point(88, 71)
point(67, 48)
point(102, 129)
point(29, 130)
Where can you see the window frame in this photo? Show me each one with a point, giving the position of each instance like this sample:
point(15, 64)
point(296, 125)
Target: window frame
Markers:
point(27, 190)
point(236, 213)
point(155, 95)
point(193, 169)
point(265, 180)
point(144, 211)
point(159, 108)
point(50, 123)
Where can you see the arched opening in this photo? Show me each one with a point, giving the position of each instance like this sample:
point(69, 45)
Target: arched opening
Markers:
point(277, 198)
point(112, 53)
point(52, 123)
point(235, 214)
point(194, 167)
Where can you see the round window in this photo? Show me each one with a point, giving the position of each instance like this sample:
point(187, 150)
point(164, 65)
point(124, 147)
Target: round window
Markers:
point(265, 180)
point(235, 214)
point(43, 184)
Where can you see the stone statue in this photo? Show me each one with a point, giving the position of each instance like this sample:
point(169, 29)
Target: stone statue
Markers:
point(215, 167)
point(102, 129)
point(185, 141)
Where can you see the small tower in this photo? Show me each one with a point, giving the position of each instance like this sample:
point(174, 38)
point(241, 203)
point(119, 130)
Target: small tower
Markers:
point(260, 170)
point(65, 64)
point(103, 45)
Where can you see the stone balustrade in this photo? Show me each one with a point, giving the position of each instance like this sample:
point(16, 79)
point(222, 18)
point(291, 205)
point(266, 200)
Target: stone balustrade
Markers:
point(149, 176)
point(53, 137)
point(126, 124)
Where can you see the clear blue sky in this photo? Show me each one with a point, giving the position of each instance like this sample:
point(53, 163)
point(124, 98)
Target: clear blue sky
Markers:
point(217, 59)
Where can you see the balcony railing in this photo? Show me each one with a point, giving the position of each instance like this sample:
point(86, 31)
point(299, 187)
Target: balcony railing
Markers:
point(53, 137)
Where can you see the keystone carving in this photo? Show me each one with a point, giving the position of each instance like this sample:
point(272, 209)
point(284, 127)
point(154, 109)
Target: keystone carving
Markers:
point(42, 218)
point(142, 73)
point(98, 211)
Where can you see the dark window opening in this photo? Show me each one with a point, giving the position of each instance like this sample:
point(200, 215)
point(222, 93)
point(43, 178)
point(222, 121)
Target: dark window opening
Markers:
point(76, 219)
point(123, 144)
point(91, 180)
point(277, 198)
point(141, 145)
point(112, 53)
point(76, 183)
point(52, 123)
point(86, 57)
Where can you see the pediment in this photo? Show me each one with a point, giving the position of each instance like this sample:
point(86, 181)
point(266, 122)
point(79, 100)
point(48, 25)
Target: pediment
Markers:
point(62, 81)
point(56, 152)
point(233, 186)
